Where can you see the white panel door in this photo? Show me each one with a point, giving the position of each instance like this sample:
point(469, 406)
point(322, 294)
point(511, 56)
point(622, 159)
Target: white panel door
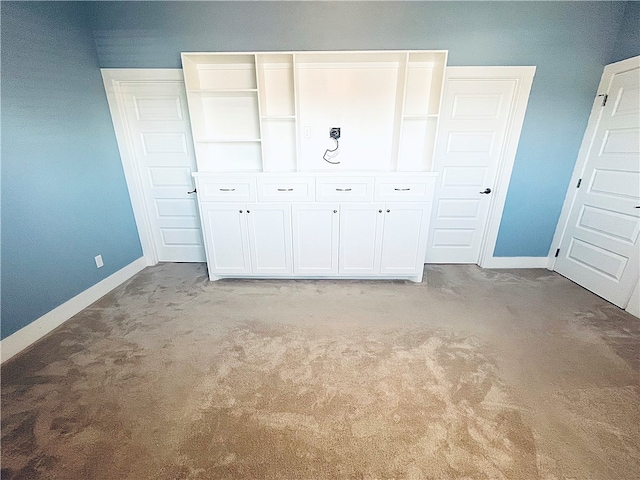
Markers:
point(159, 134)
point(315, 238)
point(269, 238)
point(475, 118)
point(360, 238)
point(599, 249)
point(404, 238)
point(226, 234)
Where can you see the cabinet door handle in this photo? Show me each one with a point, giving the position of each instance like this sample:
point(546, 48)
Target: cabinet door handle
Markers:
point(388, 211)
point(379, 211)
point(335, 211)
point(248, 211)
point(227, 189)
point(285, 189)
point(240, 211)
point(402, 189)
point(343, 189)
point(192, 191)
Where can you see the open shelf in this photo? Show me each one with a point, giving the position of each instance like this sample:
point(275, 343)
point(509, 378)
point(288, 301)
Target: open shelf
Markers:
point(279, 144)
point(417, 144)
point(425, 72)
point(219, 71)
point(238, 156)
point(230, 115)
point(275, 78)
point(272, 111)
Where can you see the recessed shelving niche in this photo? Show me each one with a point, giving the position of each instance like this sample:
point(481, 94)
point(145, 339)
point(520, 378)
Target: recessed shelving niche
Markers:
point(277, 111)
point(421, 106)
point(272, 111)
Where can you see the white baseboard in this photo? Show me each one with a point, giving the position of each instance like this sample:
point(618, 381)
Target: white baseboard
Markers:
point(37, 329)
point(516, 262)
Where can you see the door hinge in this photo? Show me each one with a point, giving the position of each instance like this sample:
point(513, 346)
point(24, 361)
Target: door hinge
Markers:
point(557, 253)
point(605, 97)
point(579, 182)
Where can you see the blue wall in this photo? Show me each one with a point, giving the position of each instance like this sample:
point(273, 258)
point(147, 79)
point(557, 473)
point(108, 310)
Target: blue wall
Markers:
point(569, 42)
point(628, 40)
point(64, 197)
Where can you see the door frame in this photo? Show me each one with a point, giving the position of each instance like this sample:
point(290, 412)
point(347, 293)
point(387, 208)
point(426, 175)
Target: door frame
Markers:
point(585, 148)
point(523, 76)
point(113, 79)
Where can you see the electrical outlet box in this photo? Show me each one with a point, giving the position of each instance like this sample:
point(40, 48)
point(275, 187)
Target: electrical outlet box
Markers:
point(335, 133)
point(99, 262)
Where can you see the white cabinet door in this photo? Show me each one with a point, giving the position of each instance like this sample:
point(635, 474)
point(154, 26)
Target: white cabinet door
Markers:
point(315, 239)
point(360, 238)
point(226, 235)
point(599, 249)
point(269, 228)
point(404, 238)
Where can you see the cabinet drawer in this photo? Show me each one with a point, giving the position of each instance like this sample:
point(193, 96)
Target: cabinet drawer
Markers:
point(405, 189)
point(224, 189)
point(344, 189)
point(283, 189)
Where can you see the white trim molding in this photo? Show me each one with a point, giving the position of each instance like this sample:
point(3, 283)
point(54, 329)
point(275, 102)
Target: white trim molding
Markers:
point(523, 75)
point(515, 262)
point(37, 329)
point(113, 78)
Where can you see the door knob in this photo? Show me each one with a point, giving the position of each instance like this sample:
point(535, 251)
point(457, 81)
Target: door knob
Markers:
point(486, 191)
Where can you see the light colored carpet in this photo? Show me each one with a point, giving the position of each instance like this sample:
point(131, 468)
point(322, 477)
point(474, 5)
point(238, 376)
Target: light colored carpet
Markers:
point(473, 374)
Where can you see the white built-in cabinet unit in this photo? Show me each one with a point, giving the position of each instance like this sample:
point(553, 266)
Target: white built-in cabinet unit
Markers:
point(279, 197)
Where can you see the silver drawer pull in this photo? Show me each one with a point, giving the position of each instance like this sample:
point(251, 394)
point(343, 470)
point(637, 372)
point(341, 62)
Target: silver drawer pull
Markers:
point(285, 189)
point(343, 189)
point(402, 189)
point(227, 189)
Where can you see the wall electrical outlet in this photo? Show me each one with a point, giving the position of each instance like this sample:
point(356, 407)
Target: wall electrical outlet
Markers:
point(99, 262)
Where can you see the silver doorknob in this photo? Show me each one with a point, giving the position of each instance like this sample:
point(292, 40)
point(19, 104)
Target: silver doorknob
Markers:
point(486, 191)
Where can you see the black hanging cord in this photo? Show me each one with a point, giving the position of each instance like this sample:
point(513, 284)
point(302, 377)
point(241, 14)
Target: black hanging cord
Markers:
point(331, 153)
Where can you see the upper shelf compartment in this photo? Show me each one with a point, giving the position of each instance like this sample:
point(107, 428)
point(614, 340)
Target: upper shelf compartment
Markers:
point(219, 72)
point(275, 82)
point(425, 72)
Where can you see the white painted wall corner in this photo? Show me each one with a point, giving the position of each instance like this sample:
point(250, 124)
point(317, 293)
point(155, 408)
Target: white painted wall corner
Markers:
point(37, 329)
